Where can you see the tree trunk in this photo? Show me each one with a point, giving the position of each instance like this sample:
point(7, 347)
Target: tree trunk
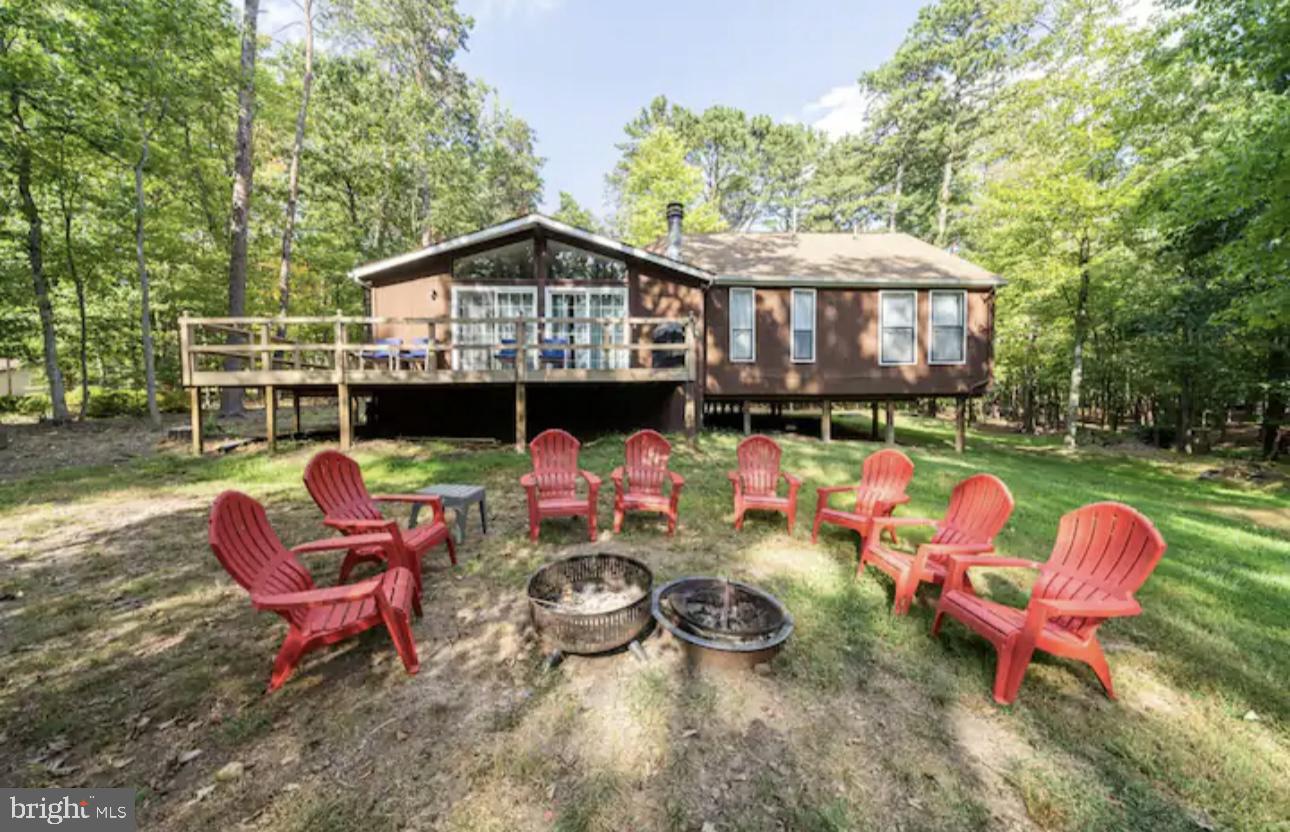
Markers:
point(943, 203)
point(1274, 411)
point(293, 177)
point(1183, 425)
point(145, 308)
point(1028, 394)
point(1077, 353)
point(895, 196)
point(35, 257)
point(231, 397)
point(79, 282)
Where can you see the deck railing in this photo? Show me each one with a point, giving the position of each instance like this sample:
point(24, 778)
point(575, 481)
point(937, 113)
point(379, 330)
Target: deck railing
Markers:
point(339, 349)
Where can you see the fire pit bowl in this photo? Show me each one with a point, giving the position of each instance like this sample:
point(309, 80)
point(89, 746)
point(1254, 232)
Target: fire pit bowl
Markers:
point(722, 623)
point(590, 603)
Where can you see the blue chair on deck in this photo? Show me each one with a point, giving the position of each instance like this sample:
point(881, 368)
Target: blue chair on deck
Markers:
point(506, 356)
point(414, 354)
point(383, 353)
point(555, 356)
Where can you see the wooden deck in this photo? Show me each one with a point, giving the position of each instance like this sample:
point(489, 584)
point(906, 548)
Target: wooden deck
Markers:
point(339, 354)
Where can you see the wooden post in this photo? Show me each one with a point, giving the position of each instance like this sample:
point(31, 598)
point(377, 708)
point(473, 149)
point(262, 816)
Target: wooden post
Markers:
point(195, 418)
point(891, 422)
point(873, 421)
point(271, 417)
point(691, 361)
point(521, 396)
point(295, 406)
point(960, 428)
point(346, 416)
point(826, 422)
point(747, 410)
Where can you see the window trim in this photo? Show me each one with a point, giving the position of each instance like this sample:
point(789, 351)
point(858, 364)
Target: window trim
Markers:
point(793, 328)
point(931, 326)
point(882, 294)
point(616, 359)
point(493, 289)
point(730, 325)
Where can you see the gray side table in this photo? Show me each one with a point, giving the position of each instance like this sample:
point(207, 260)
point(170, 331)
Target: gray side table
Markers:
point(457, 497)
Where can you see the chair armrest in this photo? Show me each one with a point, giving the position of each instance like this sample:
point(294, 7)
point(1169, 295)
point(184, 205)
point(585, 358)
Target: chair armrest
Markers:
point(794, 482)
point(897, 501)
point(904, 521)
point(424, 499)
point(826, 490)
point(678, 481)
point(316, 597)
point(959, 565)
point(592, 480)
point(352, 541)
point(617, 476)
point(353, 526)
point(952, 549)
point(528, 480)
point(1113, 608)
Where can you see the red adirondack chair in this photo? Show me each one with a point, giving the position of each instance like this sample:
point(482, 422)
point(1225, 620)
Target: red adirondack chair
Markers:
point(1103, 553)
point(551, 488)
point(251, 552)
point(757, 480)
point(883, 480)
point(979, 506)
point(336, 483)
point(638, 485)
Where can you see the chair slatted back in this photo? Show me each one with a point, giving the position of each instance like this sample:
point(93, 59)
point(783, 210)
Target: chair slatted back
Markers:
point(251, 552)
point(979, 507)
point(1104, 551)
point(647, 457)
point(759, 465)
point(336, 483)
point(883, 478)
point(555, 463)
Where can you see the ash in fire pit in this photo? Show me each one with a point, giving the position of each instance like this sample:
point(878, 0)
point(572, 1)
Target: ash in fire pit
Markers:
point(592, 597)
point(722, 622)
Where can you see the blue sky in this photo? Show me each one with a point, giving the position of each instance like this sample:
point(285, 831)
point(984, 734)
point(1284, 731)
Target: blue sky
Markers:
point(578, 70)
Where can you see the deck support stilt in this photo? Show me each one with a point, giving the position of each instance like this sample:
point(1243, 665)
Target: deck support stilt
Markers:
point(346, 414)
point(747, 411)
point(891, 422)
point(873, 420)
point(521, 417)
point(960, 427)
point(195, 418)
point(691, 422)
point(295, 407)
point(826, 421)
point(271, 418)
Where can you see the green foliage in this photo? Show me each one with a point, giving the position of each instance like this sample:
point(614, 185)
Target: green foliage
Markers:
point(658, 174)
point(571, 212)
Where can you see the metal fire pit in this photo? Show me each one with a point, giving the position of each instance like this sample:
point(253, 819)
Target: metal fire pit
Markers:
point(740, 646)
point(585, 633)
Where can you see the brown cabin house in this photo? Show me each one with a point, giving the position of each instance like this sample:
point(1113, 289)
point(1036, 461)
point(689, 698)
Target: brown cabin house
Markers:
point(533, 323)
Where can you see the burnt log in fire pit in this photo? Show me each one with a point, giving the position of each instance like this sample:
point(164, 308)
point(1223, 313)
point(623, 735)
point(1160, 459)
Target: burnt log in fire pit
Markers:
point(722, 623)
point(590, 603)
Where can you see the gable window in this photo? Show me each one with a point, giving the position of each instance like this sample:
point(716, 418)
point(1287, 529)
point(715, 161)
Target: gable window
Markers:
point(743, 324)
point(572, 263)
point(897, 328)
point(509, 262)
point(949, 328)
point(803, 326)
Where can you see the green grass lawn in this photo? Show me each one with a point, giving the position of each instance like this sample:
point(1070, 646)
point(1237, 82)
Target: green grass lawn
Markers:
point(119, 620)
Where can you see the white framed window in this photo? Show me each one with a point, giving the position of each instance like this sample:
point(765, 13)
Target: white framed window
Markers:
point(803, 326)
point(948, 344)
point(588, 302)
point(484, 302)
point(897, 328)
point(743, 324)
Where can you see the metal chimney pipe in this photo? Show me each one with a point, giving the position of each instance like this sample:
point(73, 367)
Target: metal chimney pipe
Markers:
point(675, 213)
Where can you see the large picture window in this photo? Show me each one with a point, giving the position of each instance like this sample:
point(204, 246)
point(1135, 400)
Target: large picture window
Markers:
point(743, 324)
point(572, 263)
point(949, 328)
point(481, 303)
point(897, 328)
point(509, 262)
point(803, 326)
point(588, 303)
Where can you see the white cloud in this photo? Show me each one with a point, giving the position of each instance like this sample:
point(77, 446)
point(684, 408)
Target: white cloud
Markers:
point(485, 10)
point(841, 111)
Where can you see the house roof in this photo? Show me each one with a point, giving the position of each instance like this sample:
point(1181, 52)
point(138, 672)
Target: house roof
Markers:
point(830, 259)
point(525, 223)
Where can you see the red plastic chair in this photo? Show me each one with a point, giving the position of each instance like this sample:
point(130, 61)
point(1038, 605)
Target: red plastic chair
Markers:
point(638, 485)
point(979, 507)
point(336, 483)
point(757, 480)
point(883, 480)
point(1103, 553)
point(551, 488)
point(251, 552)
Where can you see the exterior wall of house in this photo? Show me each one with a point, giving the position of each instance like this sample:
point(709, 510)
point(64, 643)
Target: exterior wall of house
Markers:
point(846, 351)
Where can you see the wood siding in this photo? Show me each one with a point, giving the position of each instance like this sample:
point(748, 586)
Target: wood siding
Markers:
point(846, 351)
